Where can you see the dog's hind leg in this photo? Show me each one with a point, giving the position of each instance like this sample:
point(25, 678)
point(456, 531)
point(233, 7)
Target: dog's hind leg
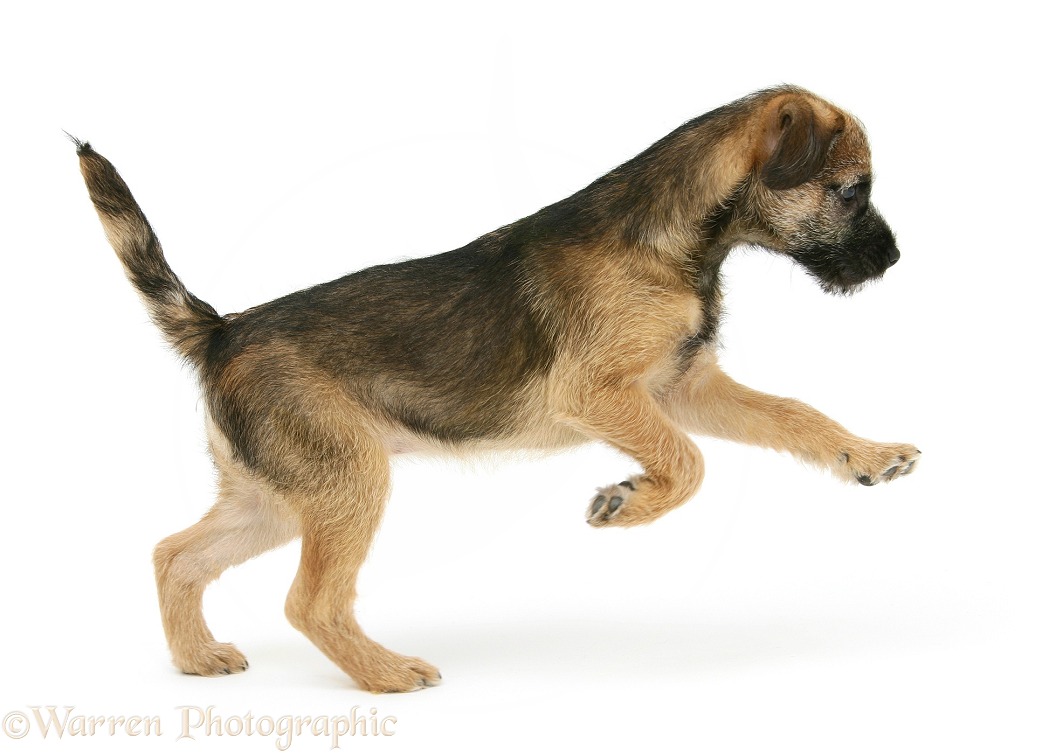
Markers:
point(247, 520)
point(339, 518)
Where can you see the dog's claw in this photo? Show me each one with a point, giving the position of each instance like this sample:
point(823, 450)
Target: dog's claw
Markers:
point(877, 463)
point(598, 503)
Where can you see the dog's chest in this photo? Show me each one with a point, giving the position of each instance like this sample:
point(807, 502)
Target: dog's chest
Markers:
point(689, 336)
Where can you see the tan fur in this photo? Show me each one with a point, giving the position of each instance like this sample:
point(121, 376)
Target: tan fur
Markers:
point(307, 405)
point(710, 403)
point(248, 519)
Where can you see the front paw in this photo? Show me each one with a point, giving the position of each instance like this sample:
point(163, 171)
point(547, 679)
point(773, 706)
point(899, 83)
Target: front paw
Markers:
point(608, 505)
point(873, 463)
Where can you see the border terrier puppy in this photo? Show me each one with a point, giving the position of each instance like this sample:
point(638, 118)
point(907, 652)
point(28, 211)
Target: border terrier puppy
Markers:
point(593, 319)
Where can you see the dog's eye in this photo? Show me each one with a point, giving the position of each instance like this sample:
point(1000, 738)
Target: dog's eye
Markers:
point(848, 193)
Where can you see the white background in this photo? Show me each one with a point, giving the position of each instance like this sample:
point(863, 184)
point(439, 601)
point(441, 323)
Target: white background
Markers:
point(276, 148)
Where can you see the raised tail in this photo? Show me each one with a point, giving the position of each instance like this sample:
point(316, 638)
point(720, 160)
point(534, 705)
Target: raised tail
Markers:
point(186, 321)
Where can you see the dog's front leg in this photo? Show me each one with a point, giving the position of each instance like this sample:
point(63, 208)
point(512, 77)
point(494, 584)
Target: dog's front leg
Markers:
point(631, 421)
point(711, 403)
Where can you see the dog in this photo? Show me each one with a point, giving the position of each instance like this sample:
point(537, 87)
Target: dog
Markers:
point(594, 319)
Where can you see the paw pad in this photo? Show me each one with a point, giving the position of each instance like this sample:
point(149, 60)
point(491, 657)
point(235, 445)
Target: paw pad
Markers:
point(881, 464)
point(608, 502)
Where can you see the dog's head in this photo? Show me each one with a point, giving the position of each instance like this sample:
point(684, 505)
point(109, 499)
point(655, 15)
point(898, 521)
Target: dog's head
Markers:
point(811, 189)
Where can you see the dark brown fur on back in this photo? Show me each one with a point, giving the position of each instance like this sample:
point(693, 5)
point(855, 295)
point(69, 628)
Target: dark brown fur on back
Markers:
point(411, 340)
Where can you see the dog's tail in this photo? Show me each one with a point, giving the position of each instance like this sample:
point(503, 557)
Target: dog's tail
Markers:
point(187, 322)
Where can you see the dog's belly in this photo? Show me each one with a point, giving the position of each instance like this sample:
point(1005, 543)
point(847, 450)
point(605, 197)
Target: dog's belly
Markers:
point(540, 432)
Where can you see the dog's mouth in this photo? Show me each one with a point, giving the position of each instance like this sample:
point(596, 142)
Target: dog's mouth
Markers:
point(844, 267)
point(844, 271)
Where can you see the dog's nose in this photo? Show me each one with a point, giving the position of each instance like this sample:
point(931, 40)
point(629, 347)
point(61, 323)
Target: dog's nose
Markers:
point(894, 255)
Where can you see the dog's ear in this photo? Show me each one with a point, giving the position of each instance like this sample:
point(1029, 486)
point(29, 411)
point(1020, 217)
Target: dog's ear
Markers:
point(795, 142)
